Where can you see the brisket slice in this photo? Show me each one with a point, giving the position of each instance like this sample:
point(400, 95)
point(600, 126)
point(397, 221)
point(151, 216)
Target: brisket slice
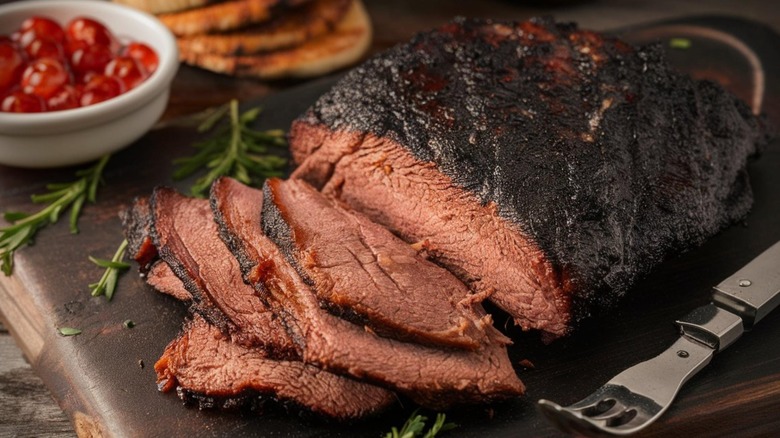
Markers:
point(550, 165)
point(164, 280)
point(433, 377)
point(136, 225)
point(362, 272)
point(205, 365)
point(202, 361)
point(187, 239)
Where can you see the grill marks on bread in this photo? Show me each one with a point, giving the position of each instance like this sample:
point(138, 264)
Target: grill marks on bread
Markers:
point(326, 52)
point(222, 16)
point(292, 28)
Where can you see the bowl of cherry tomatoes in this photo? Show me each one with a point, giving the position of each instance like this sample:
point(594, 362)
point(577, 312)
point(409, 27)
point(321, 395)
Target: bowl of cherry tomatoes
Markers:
point(79, 79)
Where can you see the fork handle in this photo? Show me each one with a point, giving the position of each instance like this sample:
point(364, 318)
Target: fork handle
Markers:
point(661, 377)
point(753, 291)
point(739, 301)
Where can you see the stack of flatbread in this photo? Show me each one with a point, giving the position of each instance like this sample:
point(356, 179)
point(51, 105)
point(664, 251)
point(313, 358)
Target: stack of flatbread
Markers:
point(266, 39)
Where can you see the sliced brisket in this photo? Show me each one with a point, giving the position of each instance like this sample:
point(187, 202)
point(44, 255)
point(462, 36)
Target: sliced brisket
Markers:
point(362, 272)
point(163, 279)
point(136, 225)
point(544, 164)
point(202, 361)
point(433, 377)
point(187, 239)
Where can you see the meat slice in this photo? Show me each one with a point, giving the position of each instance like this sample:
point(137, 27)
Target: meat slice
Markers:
point(360, 271)
point(258, 357)
point(136, 225)
point(187, 239)
point(162, 278)
point(548, 165)
point(203, 361)
point(433, 377)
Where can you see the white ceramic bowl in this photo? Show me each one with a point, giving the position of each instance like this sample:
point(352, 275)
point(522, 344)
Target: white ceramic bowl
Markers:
point(61, 138)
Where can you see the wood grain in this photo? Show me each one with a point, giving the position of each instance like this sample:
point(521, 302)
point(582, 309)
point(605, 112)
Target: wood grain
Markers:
point(24, 400)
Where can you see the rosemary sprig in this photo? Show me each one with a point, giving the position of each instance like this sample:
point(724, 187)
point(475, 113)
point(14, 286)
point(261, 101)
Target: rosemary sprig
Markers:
point(415, 425)
point(107, 283)
point(235, 149)
point(24, 226)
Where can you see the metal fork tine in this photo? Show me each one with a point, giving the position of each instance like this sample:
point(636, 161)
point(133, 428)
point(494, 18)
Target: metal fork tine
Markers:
point(613, 412)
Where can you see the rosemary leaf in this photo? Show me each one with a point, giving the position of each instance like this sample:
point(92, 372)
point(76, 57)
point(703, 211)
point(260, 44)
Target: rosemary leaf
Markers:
point(439, 426)
point(69, 331)
point(415, 425)
point(103, 263)
point(680, 43)
point(112, 268)
point(75, 212)
point(235, 149)
point(61, 196)
point(13, 216)
point(212, 119)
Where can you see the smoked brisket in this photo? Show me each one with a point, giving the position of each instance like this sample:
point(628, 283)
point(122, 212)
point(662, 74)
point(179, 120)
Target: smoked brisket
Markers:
point(248, 354)
point(433, 377)
point(548, 166)
point(187, 239)
point(362, 272)
point(203, 362)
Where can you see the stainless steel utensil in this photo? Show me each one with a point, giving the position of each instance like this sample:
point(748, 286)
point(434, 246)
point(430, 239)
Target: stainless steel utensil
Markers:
point(635, 398)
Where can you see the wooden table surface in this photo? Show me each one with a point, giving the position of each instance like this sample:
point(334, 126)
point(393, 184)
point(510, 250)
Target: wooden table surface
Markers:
point(26, 408)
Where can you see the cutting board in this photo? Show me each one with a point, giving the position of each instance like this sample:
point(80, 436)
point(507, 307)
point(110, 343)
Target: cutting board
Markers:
point(104, 380)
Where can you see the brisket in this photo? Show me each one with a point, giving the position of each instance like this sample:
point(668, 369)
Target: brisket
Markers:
point(258, 359)
point(164, 280)
point(433, 377)
point(547, 165)
point(362, 272)
point(136, 225)
point(203, 362)
point(187, 239)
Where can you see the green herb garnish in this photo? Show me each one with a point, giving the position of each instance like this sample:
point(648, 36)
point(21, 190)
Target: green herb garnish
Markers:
point(234, 150)
point(415, 426)
point(680, 43)
point(24, 226)
point(107, 283)
point(69, 331)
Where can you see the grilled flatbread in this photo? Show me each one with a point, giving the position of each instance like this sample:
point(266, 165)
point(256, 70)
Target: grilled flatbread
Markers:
point(291, 28)
point(224, 16)
point(164, 6)
point(343, 46)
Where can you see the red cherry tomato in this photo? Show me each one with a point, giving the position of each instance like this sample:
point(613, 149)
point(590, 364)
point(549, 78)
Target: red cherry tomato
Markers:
point(66, 97)
point(40, 60)
point(144, 55)
point(89, 59)
point(44, 47)
point(89, 31)
point(11, 65)
point(43, 26)
point(43, 77)
point(21, 102)
point(126, 69)
point(101, 88)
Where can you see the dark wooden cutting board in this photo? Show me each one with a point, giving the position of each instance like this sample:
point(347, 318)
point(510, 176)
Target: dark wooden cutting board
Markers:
point(104, 379)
